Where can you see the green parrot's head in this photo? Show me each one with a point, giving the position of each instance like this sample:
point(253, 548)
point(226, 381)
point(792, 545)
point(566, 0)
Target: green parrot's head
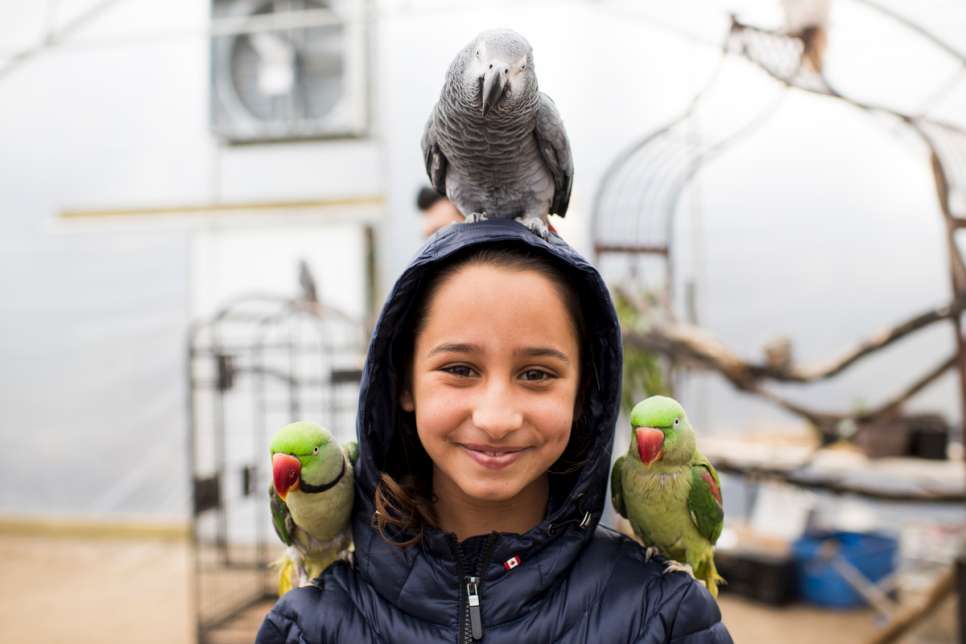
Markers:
point(303, 453)
point(661, 431)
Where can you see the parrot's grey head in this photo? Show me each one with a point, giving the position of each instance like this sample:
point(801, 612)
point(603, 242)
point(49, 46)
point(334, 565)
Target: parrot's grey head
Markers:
point(498, 71)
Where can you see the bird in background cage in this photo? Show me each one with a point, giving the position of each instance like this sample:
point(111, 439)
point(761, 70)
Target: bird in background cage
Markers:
point(309, 291)
point(808, 20)
point(311, 501)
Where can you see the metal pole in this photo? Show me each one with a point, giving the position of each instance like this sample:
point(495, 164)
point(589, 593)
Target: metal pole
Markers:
point(961, 592)
point(194, 588)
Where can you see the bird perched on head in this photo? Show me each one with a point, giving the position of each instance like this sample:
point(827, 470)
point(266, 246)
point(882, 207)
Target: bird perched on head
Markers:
point(494, 144)
point(668, 491)
point(311, 500)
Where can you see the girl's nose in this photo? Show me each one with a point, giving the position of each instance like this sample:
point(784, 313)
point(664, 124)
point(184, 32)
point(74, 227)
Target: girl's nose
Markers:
point(496, 414)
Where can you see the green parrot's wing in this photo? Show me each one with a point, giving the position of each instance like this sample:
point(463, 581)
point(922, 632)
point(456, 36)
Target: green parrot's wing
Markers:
point(281, 518)
point(617, 489)
point(704, 500)
point(351, 450)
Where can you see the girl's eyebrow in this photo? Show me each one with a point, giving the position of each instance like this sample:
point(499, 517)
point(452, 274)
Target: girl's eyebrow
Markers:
point(530, 352)
point(543, 352)
point(455, 347)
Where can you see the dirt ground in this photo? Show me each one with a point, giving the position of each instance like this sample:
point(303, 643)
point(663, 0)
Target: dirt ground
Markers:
point(105, 590)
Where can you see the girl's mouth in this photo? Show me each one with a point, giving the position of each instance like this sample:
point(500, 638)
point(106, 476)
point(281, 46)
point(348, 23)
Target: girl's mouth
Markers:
point(493, 458)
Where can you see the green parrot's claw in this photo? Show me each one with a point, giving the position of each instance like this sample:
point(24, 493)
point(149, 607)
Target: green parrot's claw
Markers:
point(677, 566)
point(650, 552)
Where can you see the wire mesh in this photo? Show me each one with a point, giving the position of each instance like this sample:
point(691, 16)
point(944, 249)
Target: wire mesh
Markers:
point(259, 363)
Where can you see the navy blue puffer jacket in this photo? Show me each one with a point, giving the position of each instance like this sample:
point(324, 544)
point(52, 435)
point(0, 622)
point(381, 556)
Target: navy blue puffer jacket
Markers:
point(566, 580)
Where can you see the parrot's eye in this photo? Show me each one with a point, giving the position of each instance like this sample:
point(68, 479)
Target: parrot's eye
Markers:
point(522, 67)
point(677, 421)
point(316, 450)
point(477, 53)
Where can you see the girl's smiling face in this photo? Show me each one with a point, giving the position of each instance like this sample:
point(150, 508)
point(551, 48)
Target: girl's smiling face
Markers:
point(494, 380)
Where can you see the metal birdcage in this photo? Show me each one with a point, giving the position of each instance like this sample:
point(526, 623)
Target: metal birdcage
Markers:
point(257, 364)
point(641, 192)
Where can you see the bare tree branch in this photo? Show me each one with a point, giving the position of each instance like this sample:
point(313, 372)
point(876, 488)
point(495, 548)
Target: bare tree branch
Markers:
point(679, 340)
point(879, 341)
point(699, 349)
point(910, 616)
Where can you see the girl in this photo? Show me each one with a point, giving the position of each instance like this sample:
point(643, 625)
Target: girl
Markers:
point(486, 417)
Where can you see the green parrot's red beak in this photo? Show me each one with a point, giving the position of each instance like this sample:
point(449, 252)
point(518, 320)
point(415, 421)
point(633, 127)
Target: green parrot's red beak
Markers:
point(650, 443)
point(286, 472)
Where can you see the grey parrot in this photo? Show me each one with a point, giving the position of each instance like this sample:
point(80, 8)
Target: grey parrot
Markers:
point(494, 144)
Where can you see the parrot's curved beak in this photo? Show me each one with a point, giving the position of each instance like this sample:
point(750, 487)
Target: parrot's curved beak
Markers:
point(286, 472)
point(494, 82)
point(650, 444)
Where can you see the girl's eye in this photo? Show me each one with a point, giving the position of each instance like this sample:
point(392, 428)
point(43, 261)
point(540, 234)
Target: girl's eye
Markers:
point(534, 375)
point(460, 370)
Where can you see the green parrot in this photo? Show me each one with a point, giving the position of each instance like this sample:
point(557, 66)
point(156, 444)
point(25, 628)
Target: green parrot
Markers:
point(669, 491)
point(311, 499)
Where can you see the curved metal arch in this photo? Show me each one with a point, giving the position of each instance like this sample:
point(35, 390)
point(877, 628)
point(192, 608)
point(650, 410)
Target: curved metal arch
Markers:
point(771, 51)
point(638, 198)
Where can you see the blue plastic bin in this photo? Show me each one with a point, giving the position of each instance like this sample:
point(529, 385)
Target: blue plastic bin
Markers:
point(872, 554)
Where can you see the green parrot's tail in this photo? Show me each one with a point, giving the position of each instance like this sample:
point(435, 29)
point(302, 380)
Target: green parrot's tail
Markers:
point(286, 573)
point(288, 568)
point(706, 572)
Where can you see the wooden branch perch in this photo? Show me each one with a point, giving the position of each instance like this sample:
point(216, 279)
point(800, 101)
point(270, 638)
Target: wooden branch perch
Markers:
point(694, 346)
point(913, 615)
point(684, 341)
point(879, 341)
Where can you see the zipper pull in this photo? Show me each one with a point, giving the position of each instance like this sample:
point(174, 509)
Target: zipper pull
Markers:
point(473, 594)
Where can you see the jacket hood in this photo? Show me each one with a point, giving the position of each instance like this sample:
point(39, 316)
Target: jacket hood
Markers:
point(577, 500)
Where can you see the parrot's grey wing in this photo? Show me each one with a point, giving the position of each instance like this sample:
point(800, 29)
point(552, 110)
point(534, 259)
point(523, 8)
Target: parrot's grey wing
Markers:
point(617, 489)
point(554, 147)
point(433, 157)
point(281, 518)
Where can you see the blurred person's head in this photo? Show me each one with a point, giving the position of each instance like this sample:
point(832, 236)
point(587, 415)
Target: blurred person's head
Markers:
point(438, 211)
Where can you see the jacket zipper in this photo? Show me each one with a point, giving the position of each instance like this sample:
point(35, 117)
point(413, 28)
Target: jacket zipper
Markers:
point(473, 607)
point(471, 621)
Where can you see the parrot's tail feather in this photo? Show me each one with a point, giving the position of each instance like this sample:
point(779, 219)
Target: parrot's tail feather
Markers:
point(296, 570)
point(708, 573)
point(286, 569)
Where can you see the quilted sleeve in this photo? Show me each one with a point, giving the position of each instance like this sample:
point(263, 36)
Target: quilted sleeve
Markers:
point(688, 615)
point(278, 629)
point(697, 619)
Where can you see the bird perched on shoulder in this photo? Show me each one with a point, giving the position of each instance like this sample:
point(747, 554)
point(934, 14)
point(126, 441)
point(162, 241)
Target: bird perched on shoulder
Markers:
point(668, 491)
point(311, 500)
point(494, 144)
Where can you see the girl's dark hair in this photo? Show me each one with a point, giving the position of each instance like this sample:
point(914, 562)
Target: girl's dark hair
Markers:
point(404, 497)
